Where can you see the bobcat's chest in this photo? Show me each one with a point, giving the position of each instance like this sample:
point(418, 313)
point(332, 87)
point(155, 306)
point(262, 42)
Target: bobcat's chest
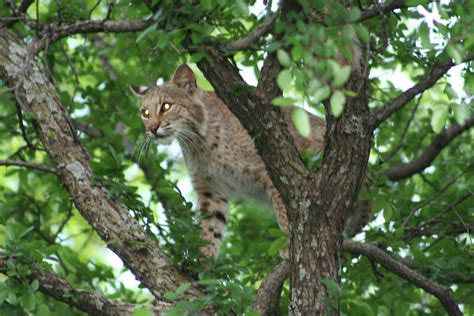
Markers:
point(228, 176)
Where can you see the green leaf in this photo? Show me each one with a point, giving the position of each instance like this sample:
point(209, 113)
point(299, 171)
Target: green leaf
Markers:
point(313, 85)
point(206, 4)
point(170, 296)
point(277, 245)
point(25, 232)
point(424, 32)
point(208, 282)
point(28, 301)
point(182, 288)
point(11, 232)
point(412, 3)
point(284, 80)
point(145, 32)
point(296, 52)
point(321, 94)
point(450, 92)
point(3, 297)
point(283, 101)
point(332, 286)
point(362, 33)
point(276, 233)
point(337, 103)
point(455, 52)
point(438, 119)
point(283, 58)
point(12, 298)
point(34, 285)
point(341, 76)
point(301, 120)
point(387, 212)
point(461, 113)
point(242, 8)
point(142, 311)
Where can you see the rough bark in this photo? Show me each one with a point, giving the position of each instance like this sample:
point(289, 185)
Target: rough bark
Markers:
point(86, 301)
point(316, 203)
point(270, 290)
point(109, 218)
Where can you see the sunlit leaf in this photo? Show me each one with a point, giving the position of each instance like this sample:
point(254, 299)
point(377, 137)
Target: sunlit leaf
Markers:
point(301, 120)
point(284, 80)
point(438, 119)
point(283, 101)
point(337, 103)
point(283, 58)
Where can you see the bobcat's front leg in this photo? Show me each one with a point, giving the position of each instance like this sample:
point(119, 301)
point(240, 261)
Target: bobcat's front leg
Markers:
point(214, 214)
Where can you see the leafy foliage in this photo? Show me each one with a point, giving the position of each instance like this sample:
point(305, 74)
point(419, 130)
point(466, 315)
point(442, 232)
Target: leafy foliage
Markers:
point(426, 219)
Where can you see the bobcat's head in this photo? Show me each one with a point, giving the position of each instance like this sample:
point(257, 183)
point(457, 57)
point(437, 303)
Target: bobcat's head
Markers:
point(173, 110)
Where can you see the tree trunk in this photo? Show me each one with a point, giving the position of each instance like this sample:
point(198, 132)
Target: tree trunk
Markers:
point(316, 234)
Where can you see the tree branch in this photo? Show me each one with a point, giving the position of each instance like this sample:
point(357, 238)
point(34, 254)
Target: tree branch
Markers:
point(379, 8)
point(267, 88)
point(17, 13)
point(92, 303)
point(53, 32)
point(249, 40)
point(373, 253)
point(405, 170)
point(381, 114)
point(270, 289)
point(110, 219)
point(31, 165)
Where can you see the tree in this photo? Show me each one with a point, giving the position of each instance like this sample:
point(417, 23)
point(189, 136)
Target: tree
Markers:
point(72, 187)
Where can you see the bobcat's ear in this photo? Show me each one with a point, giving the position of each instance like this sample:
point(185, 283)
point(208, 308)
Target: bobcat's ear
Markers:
point(139, 91)
point(185, 79)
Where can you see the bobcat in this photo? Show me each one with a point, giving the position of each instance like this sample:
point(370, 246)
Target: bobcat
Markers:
point(219, 153)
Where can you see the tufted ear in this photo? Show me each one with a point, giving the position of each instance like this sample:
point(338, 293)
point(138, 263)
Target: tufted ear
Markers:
point(139, 91)
point(185, 79)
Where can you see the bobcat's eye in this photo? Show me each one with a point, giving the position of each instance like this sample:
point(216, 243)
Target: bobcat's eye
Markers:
point(166, 107)
point(145, 113)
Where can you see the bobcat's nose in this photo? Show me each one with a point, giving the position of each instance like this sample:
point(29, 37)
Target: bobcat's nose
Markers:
point(153, 126)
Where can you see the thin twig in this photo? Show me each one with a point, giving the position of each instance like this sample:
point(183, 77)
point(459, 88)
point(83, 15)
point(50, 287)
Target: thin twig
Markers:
point(402, 137)
point(413, 211)
point(54, 32)
point(31, 165)
point(253, 36)
point(438, 70)
point(443, 139)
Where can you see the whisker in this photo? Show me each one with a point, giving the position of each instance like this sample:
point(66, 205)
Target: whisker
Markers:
point(138, 147)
